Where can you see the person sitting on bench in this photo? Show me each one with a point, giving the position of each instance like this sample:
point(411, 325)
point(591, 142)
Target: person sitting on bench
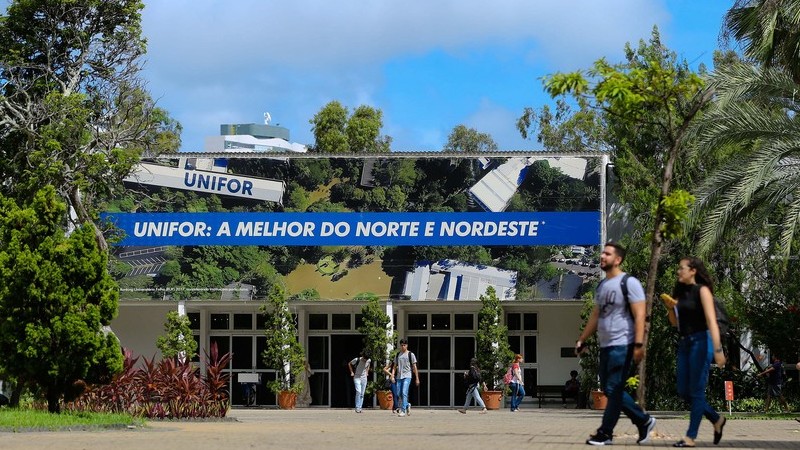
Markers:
point(572, 388)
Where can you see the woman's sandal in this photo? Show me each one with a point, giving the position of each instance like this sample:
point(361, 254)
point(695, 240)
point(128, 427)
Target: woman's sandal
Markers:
point(718, 434)
point(682, 444)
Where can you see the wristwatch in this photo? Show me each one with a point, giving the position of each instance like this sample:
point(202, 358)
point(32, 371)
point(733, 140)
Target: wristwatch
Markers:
point(638, 345)
point(719, 350)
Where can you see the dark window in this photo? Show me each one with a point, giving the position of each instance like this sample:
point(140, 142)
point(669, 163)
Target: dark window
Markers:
point(514, 343)
point(465, 322)
point(530, 349)
point(194, 320)
point(196, 357)
point(440, 353)
point(568, 352)
point(261, 345)
point(261, 321)
point(464, 350)
point(513, 322)
point(419, 346)
point(530, 321)
point(359, 321)
point(242, 321)
point(440, 321)
point(220, 321)
point(243, 352)
point(317, 321)
point(318, 352)
point(417, 321)
point(340, 321)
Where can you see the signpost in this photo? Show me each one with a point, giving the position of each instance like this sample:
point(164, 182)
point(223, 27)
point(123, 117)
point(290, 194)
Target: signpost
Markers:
point(729, 395)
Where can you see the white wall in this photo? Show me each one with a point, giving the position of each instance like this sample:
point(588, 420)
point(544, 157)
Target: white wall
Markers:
point(138, 326)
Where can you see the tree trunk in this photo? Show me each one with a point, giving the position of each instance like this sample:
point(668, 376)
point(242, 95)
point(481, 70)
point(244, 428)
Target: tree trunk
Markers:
point(53, 400)
point(84, 219)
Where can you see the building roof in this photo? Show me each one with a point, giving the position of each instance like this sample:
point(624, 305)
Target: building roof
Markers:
point(450, 279)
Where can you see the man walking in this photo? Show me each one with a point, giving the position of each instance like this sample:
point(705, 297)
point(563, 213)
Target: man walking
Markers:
point(359, 370)
point(405, 363)
point(774, 374)
point(618, 317)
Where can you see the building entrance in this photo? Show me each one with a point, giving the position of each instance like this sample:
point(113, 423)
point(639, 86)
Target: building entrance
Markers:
point(344, 347)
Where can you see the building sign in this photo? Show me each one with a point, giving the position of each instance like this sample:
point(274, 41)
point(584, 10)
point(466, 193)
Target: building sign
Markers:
point(207, 182)
point(386, 229)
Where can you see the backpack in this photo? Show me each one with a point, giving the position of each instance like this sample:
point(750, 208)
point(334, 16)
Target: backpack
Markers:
point(473, 376)
point(723, 322)
point(509, 376)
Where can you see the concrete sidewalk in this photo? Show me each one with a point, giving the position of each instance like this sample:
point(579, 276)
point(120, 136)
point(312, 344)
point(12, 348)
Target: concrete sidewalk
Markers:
point(317, 429)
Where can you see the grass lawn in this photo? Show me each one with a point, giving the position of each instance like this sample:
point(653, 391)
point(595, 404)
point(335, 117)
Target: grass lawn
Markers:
point(23, 419)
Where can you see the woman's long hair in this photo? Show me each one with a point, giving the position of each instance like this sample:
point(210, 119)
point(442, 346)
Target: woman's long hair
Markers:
point(701, 277)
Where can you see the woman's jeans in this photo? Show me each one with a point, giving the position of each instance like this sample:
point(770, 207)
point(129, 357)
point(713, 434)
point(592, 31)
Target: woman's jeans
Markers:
point(615, 363)
point(472, 392)
point(395, 396)
point(517, 394)
point(694, 357)
point(361, 385)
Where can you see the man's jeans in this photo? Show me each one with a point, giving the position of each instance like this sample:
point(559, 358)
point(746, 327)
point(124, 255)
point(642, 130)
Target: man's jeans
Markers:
point(517, 394)
point(402, 390)
point(472, 392)
point(694, 357)
point(615, 363)
point(361, 385)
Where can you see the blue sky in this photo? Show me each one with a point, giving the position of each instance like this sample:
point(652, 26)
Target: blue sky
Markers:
point(429, 65)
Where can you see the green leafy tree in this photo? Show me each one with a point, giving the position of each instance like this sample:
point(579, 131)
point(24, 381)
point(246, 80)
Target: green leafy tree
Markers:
point(283, 352)
point(768, 31)
point(73, 109)
point(649, 103)
point(378, 335)
point(177, 342)
point(491, 340)
point(56, 297)
point(469, 140)
point(337, 131)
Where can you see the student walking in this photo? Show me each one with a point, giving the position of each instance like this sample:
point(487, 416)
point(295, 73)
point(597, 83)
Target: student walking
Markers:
point(473, 379)
point(696, 319)
point(775, 379)
point(405, 363)
point(618, 317)
point(517, 387)
point(359, 370)
point(388, 369)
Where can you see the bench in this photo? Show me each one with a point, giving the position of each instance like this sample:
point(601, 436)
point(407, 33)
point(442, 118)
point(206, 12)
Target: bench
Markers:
point(545, 391)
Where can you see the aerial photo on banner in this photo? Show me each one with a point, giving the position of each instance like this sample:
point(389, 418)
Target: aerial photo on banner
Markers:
point(417, 228)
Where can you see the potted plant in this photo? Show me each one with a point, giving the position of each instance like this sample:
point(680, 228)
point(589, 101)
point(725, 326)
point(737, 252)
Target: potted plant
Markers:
point(493, 352)
point(283, 352)
point(378, 338)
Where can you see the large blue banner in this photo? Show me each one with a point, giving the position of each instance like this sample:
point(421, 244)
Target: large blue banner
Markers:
point(388, 229)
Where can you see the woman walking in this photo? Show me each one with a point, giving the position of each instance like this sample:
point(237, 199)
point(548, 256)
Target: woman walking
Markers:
point(700, 343)
point(473, 379)
point(517, 389)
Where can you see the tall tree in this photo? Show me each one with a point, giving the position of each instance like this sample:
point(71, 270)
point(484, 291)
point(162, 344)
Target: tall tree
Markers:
point(755, 113)
point(55, 298)
point(769, 32)
point(648, 103)
point(337, 131)
point(73, 110)
point(469, 140)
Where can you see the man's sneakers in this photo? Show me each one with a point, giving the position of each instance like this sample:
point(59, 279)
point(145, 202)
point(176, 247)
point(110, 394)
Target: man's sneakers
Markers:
point(462, 410)
point(408, 409)
point(401, 414)
point(645, 429)
point(600, 438)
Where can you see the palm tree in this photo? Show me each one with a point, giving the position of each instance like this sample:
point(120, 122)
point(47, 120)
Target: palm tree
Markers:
point(757, 114)
point(769, 32)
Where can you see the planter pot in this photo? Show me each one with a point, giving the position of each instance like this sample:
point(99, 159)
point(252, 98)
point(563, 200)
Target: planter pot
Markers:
point(599, 400)
point(287, 399)
point(385, 399)
point(492, 399)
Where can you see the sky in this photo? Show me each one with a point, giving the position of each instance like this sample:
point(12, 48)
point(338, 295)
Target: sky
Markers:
point(428, 65)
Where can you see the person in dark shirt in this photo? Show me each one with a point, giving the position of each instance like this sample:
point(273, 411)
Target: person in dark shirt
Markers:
point(571, 389)
point(774, 374)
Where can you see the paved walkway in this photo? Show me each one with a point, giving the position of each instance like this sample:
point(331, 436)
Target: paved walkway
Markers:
point(317, 429)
